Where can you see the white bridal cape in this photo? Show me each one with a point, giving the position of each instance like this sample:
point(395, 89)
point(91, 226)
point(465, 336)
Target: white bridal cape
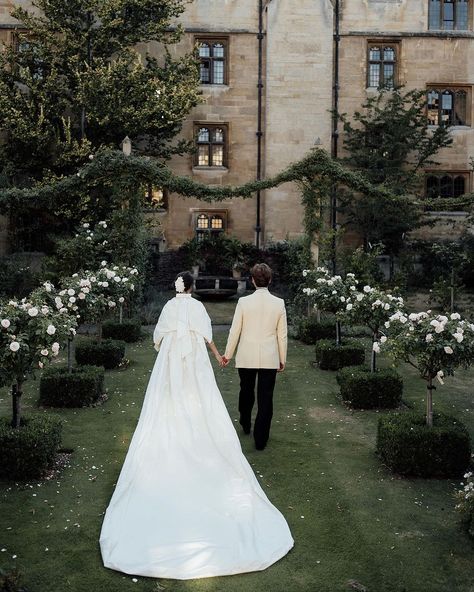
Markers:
point(187, 504)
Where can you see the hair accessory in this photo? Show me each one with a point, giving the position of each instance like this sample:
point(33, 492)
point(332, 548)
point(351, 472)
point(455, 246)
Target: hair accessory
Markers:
point(179, 284)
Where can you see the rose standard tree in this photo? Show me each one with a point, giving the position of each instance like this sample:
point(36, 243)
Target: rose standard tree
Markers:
point(432, 444)
point(31, 334)
point(330, 294)
point(361, 388)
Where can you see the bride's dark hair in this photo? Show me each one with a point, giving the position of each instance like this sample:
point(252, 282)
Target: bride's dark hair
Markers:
point(188, 279)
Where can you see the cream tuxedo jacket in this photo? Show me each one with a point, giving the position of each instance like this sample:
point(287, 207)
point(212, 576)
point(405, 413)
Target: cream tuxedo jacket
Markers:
point(259, 327)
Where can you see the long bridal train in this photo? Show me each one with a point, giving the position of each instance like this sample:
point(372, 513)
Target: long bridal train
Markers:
point(187, 503)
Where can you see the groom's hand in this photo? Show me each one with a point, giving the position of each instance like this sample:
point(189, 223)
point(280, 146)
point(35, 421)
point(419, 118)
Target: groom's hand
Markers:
point(282, 367)
point(225, 361)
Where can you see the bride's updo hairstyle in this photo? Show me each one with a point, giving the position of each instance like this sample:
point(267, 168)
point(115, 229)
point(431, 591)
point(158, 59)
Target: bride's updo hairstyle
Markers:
point(261, 274)
point(187, 281)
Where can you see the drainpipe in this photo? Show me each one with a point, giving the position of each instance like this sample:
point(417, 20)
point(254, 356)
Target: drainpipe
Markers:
point(259, 133)
point(335, 124)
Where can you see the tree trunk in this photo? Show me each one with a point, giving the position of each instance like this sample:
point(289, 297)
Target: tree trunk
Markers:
point(373, 358)
point(121, 314)
point(429, 402)
point(69, 354)
point(16, 397)
point(452, 289)
point(338, 332)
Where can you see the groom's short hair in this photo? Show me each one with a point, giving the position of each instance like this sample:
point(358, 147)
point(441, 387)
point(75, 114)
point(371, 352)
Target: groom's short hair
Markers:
point(261, 274)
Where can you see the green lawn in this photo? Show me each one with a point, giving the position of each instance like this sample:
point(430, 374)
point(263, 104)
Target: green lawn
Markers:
point(350, 518)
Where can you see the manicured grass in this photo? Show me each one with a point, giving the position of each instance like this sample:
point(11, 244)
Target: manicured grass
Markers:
point(350, 518)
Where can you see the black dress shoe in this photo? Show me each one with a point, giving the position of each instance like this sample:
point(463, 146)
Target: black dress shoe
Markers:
point(245, 426)
point(260, 447)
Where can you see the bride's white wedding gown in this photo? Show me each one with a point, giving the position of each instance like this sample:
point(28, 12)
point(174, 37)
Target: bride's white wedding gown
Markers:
point(187, 503)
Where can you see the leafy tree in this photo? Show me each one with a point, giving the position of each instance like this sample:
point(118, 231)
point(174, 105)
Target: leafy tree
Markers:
point(74, 83)
point(389, 141)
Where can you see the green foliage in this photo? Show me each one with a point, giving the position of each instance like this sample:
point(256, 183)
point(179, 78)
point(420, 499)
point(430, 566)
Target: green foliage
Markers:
point(108, 353)
point(465, 505)
point(288, 258)
point(26, 452)
point(389, 141)
point(361, 262)
point(409, 447)
point(218, 254)
point(72, 64)
point(363, 389)
point(129, 330)
point(310, 330)
point(330, 356)
point(16, 277)
point(79, 388)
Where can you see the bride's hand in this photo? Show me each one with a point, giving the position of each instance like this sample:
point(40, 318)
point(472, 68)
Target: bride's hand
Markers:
point(218, 357)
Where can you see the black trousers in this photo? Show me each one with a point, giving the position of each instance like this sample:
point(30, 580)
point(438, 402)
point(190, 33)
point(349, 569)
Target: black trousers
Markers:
point(265, 387)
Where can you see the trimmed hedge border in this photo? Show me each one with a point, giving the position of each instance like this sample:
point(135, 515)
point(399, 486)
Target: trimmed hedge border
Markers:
point(309, 330)
point(330, 356)
point(26, 452)
point(59, 388)
point(409, 447)
point(130, 330)
point(363, 389)
point(107, 353)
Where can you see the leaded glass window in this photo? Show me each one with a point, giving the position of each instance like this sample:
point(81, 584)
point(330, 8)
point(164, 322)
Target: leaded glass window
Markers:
point(382, 61)
point(212, 57)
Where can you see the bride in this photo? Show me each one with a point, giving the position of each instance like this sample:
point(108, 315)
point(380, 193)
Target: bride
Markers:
point(187, 504)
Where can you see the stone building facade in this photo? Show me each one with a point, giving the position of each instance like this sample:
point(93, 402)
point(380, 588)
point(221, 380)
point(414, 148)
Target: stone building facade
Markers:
point(286, 50)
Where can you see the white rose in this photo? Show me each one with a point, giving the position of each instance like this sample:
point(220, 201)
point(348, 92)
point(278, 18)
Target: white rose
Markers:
point(14, 346)
point(117, 279)
point(40, 365)
point(429, 337)
point(103, 263)
point(402, 319)
point(71, 292)
point(448, 349)
point(51, 330)
point(132, 287)
point(5, 323)
point(75, 275)
point(376, 347)
point(45, 310)
point(86, 290)
point(86, 225)
point(121, 299)
point(458, 337)
point(72, 330)
point(387, 324)
point(55, 348)
point(349, 306)
point(352, 288)
point(81, 296)
point(383, 339)
point(387, 306)
point(367, 289)
point(72, 299)
point(33, 311)
point(439, 328)
point(111, 303)
point(44, 352)
point(305, 272)
point(455, 316)
point(359, 297)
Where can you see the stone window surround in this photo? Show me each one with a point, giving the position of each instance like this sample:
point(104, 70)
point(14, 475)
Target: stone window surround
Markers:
point(196, 212)
point(454, 30)
point(451, 173)
point(212, 124)
point(455, 87)
point(396, 45)
point(225, 40)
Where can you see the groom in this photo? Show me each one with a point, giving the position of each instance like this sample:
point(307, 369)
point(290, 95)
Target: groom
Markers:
point(259, 327)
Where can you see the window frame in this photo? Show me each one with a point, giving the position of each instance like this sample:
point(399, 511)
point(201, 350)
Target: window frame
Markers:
point(211, 39)
point(382, 43)
point(209, 231)
point(211, 126)
point(454, 89)
point(440, 174)
point(441, 19)
point(150, 190)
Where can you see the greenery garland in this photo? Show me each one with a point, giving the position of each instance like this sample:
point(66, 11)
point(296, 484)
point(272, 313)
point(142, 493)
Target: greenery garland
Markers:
point(315, 173)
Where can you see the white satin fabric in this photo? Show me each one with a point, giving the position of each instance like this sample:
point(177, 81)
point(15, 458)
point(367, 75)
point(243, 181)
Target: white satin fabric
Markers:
point(187, 504)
